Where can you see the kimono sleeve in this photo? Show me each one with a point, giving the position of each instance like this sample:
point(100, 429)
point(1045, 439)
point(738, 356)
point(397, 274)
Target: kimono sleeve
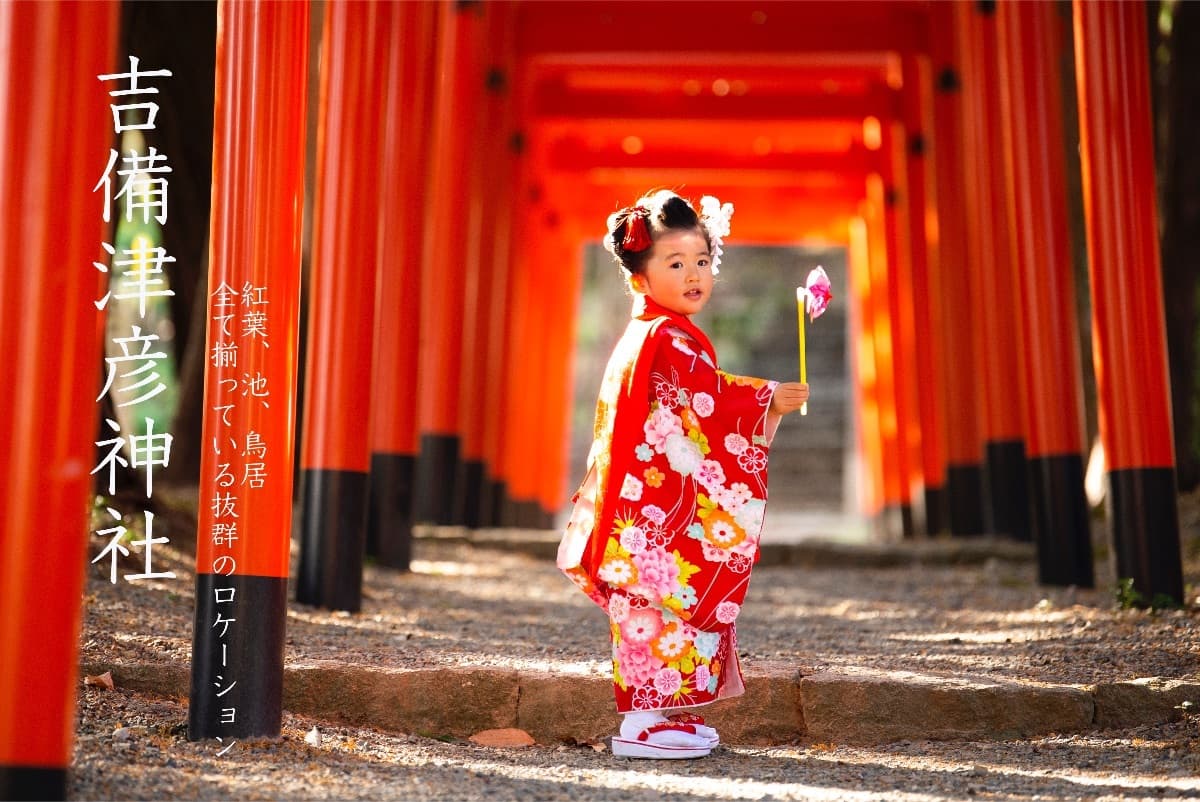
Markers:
point(684, 377)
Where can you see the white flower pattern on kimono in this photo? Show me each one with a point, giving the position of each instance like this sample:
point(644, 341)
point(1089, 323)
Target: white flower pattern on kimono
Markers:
point(617, 572)
point(633, 539)
point(632, 488)
point(750, 516)
point(752, 460)
point(733, 498)
point(657, 536)
point(735, 444)
point(618, 608)
point(683, 454)
point(714, 554)
point(654, 513)
point(703, 404)
point(646, 698)
point(641, 626)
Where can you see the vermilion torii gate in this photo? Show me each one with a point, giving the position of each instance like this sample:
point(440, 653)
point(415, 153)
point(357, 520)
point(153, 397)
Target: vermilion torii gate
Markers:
point(466, 150)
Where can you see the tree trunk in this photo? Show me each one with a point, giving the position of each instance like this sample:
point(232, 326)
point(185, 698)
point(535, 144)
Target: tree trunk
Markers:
point(182, 37)
point(1181, 230)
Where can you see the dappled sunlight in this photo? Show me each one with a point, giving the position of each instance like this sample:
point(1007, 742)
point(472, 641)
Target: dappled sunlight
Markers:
point(448, 568)
point(650, 776)
point(994, 636)
point(980, 759)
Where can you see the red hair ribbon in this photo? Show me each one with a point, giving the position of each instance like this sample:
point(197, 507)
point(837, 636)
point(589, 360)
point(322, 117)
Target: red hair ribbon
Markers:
point(637, 235)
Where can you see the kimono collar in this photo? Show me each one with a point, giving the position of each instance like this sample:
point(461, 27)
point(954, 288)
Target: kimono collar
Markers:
point(646, 308)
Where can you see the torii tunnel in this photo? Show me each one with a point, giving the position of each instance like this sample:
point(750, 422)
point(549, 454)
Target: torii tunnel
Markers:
point(465, 152)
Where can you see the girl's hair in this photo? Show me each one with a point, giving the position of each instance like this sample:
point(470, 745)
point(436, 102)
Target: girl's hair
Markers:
point(661, 211)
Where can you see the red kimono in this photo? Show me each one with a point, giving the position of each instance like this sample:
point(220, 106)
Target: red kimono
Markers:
point(666, 524)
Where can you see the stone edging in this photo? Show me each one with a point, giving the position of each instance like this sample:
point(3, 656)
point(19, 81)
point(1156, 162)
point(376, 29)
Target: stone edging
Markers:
point(780, 705)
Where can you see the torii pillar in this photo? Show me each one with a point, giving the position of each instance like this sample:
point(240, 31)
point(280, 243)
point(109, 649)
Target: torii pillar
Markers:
point(244, 523)
point(55, 138)
point(335, 452)
point(1129, 343)
point(1030, 46)
point(964, 467)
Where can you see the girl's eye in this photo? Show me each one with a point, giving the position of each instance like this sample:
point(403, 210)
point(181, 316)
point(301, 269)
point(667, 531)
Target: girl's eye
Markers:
point(676, 264)
point(703, 263)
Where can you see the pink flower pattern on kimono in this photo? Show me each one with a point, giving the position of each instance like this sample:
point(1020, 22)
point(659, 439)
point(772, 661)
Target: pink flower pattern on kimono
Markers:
point(711, 475)
point(658, 573)
point(662, 424)
point(668, 681)
point(636, 663)
point(641, 626)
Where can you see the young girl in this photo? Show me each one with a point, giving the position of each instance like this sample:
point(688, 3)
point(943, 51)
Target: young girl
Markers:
point(666, 523)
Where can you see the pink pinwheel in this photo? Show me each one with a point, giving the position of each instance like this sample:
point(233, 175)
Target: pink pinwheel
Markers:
point(819, 293)
point(815, 297)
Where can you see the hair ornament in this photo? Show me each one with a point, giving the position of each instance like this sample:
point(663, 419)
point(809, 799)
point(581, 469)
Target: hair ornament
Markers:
point(714, 216)
point(637, 234)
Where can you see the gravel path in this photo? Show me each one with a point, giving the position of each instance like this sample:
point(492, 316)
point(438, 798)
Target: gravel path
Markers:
point(464, 606)
point(133, 747)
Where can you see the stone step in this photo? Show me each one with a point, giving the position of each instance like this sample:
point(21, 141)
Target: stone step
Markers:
point(781, 704)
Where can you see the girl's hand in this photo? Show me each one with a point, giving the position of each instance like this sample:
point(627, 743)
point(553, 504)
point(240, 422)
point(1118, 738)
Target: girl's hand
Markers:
point(788, 397)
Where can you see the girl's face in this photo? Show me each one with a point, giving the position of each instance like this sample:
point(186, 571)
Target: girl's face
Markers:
point(678, 274)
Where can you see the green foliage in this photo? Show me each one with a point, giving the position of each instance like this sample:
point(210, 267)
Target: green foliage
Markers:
point(1162, 601)
point(1127, 596)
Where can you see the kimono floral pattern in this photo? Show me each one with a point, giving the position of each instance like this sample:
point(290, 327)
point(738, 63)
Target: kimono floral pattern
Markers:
point(684, 529)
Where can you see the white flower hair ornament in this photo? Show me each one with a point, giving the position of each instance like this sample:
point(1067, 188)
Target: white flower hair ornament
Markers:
point(715, 218)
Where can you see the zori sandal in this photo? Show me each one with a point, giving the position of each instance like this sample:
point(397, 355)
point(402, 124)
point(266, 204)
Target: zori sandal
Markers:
point(702, 729)
point(669, 740)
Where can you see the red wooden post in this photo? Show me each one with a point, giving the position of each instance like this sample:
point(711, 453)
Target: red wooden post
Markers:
point(901, 317)
point(876, 314)
point(499, 260)
point(520, 289)
point(55, 138)
point(990, 258)
point(452, 160)
point(244, 522)
point(484, 281)
point(865, 385)
point(1129, 344)
point(1031, 45)
point(335, 455)
point(964, 465)
point(535, 289)
point(926, 288)
point(406, 37)
point(564, 272)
